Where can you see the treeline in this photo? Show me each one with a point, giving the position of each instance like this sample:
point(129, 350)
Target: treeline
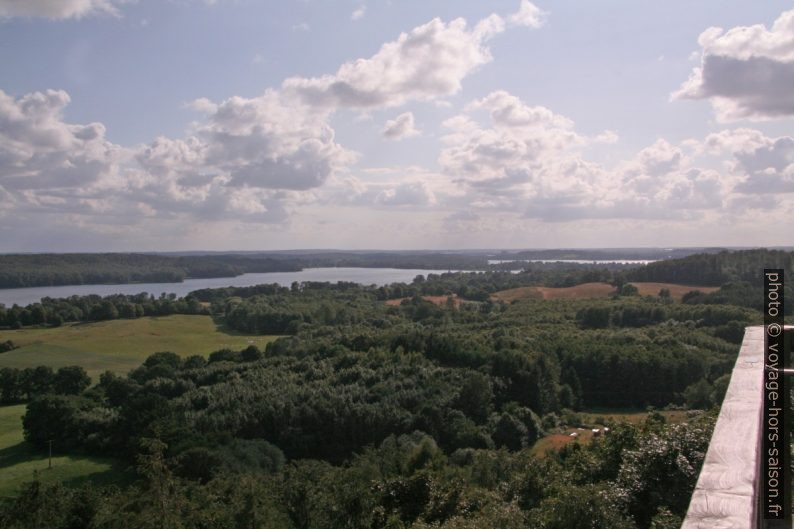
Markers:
point(419, 260)
point(631, 254)
point(19, 385)
point(601, 315)
point(34, 270)
point(55, 312)
point(741, 294)
point(715, 269)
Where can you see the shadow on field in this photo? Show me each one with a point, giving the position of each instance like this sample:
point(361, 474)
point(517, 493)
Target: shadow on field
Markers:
point(18, 453)
point(72, 471)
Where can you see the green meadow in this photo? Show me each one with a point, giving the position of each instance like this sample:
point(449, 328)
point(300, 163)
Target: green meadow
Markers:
point(120, 345)
point(21, 462)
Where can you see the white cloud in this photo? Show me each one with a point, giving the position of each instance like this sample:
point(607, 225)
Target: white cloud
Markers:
point(508, 153)
point(760, 164)
point(608, 137)
point(746, 72)
point(406, 194)
point(249, 160)
point(401, 127)
point(426, 63)
point(528, 15)
point(528, 162)
point(39, 150)
point(358, 14)
point(659, 159)
point(271, 141)
point(56, 9)
point(410, 194)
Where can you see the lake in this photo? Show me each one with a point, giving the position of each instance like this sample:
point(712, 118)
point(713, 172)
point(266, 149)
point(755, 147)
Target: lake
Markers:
point(365, 276)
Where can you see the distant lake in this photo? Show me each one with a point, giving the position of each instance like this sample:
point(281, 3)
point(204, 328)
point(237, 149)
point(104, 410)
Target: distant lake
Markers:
point(365, 276)
point(577, 261)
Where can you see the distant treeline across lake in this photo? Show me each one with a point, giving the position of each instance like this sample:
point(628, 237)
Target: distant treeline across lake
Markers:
point(366, 276)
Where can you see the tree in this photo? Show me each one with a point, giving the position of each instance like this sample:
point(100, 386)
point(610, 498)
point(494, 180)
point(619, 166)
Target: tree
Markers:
point(509, 432)
point(37, 315)
point(475, 398)
point(54, 417)
point(698, 395)
point(37, 380)
point(10, 385)
point(250, 354)
point(71, 380)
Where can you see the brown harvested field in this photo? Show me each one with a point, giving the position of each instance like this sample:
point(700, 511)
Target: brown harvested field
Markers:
point(583, 291)
point(677, 291)
point(593, 290)
point(441, 301)
point(555, 441)
point(593, 419)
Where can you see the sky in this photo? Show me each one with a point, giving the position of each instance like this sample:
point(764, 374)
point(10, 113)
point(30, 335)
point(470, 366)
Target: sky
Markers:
point(165, 125)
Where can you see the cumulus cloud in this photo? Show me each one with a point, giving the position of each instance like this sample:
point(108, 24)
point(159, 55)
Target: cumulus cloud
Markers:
point(509, 152)
point(58, 9)
point(272, 142)
point(426, 63)
point(760, 165)
point(246, 161)
point(402, 126)
point(39, 150)
point(746, 72)
point(528, 161)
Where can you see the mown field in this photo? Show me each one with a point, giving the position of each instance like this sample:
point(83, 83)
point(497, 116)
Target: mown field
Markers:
point(20, 462)
point(120, 345)
point(594, 290)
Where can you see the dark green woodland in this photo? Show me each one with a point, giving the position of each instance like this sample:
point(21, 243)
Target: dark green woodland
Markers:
point(410, 414)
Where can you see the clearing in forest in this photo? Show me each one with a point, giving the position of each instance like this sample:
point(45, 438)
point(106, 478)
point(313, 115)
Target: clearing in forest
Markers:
point(120, 345)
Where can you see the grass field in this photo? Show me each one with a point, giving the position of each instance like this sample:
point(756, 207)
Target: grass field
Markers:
point(20, 462)
point(120, 345)
point(593, 290)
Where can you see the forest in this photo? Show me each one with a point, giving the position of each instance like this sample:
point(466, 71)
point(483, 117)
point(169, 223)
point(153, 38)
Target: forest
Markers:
point(408, 414)
point(33, 270)
point(715, 269)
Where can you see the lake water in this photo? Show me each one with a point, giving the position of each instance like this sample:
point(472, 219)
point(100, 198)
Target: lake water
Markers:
point(365, 276)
